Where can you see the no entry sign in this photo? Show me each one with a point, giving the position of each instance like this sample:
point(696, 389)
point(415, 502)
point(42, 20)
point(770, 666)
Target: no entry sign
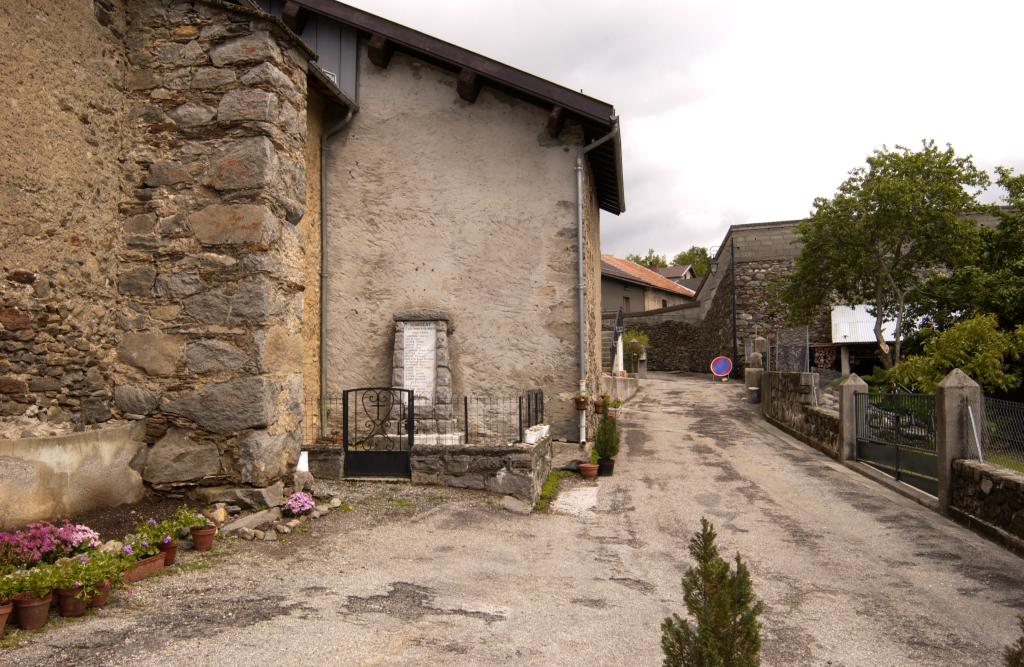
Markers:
point(721, 366)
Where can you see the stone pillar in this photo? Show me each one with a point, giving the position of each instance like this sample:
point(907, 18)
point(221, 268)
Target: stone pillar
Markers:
point(848, 391)
point(760, 345)
point(844, 359)
point(211, 280)
point(954, 394)
point(617, 361)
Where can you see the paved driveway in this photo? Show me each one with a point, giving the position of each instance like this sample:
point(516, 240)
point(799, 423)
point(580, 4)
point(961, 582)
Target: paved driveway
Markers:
point(852, 574)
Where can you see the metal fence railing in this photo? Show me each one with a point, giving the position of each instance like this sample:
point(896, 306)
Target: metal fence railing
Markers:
point(496, 419)
point(903, 420)
point(998, 432)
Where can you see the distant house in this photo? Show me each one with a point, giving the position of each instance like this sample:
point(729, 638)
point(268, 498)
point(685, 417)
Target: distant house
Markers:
point(636, 288)
point(681, 275)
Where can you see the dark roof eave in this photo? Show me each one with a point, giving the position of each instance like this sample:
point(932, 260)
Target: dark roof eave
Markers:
point(316, 78)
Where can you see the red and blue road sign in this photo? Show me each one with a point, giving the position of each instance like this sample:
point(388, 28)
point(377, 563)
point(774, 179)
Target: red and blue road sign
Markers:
point(721, 366)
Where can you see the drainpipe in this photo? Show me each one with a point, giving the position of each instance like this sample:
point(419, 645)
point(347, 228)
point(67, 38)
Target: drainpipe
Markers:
point(580, 286)
point(325, 137)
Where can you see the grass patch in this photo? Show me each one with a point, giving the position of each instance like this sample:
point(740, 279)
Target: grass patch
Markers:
point(1006, 462)
point(401, 504)
point(549, 491)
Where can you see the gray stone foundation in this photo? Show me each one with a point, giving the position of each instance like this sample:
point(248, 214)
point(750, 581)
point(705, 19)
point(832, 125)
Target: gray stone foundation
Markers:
point(517, 470)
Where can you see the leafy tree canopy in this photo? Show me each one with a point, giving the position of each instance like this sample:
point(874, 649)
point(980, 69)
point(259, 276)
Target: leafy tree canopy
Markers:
point(697, 257)
point(889, 227)
point(976, 346)
point(651, 261)
point(992, 280)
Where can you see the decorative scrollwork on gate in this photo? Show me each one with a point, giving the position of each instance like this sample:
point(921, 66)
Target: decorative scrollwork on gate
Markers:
point(376, 420)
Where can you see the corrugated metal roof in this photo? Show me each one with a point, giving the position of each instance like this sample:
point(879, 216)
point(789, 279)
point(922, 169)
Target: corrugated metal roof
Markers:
point(854, 324)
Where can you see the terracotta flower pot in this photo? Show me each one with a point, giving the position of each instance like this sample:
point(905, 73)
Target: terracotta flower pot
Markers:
point(613, 413)
point(5, 611)
point(68, 602)
point(146, 567)
point(581, 404)
point(202, 538)
point(102, 594)
point(598, 408)
point(588, 470)
point(170, 551)
point(605, 467)
point(32, 612)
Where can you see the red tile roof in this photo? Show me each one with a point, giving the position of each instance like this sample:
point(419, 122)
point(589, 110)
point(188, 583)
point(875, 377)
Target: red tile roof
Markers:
point(624, 269)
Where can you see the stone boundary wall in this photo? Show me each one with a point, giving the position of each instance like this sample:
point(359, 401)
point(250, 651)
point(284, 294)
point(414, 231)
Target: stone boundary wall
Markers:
point(991, 494)
point(785, 402)
point(42, 478)
point(517, 470)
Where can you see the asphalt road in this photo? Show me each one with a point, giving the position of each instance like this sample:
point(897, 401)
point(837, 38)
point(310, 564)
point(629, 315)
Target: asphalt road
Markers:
point(851, 573)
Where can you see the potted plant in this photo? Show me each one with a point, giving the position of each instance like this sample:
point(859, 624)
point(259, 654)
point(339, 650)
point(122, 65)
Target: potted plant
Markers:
point(581, 401)
point(35, 593)
point(299, 503)
point(143, 558)
point(107, 568)
point(8, 589)
point(70, 585)
point(613, 409)
point(587, 470)
point(162, 535)
point(606, 445)
point(201, 529)
point(601, 405)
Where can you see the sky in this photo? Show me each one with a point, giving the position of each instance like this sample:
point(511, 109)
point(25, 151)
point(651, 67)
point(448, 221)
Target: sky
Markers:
point(745, 111)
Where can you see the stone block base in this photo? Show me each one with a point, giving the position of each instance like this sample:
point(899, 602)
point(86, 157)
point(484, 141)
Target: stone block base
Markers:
point(513, 470)
point(326, 462)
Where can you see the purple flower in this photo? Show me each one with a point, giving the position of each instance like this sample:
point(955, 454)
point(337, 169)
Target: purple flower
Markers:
point(128, 549)
point(145, 544)
point(167, 539)
point(151, 521)
point(83, 559)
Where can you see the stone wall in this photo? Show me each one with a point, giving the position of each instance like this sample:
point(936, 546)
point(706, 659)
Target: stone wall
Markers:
point(517, 470)
point(991, 494)
point(787, 402)
point(41, 478)
point(212, 274)
point(61, 128)
point(479, 221)
point(309, 230)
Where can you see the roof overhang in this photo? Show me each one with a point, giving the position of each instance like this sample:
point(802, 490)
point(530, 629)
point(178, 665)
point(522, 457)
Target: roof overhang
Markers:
point(596, 117)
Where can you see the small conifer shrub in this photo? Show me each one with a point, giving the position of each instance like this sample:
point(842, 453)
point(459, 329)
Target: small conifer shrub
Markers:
point(1014, 655)
point(726, 631)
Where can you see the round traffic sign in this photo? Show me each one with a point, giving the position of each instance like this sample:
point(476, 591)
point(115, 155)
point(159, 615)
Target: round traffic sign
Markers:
point(721, 366)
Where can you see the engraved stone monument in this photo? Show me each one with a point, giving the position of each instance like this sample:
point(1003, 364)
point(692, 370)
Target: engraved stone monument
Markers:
point(421, 363)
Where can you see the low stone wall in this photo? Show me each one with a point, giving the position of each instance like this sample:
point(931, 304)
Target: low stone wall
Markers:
point(619, 388)
point(517, 470)
point(785, 402)
point(45, 478)
point(990, 494)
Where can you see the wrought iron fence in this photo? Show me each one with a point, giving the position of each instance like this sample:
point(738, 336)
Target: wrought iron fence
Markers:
point(904, 420)
point(494, 419)
point(998, 433)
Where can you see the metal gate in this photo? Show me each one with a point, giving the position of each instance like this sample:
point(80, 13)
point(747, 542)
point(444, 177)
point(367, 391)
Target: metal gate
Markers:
point(896, 434)
point(378, 427)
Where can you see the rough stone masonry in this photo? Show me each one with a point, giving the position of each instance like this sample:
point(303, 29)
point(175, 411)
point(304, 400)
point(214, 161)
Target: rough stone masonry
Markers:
point(162, 273)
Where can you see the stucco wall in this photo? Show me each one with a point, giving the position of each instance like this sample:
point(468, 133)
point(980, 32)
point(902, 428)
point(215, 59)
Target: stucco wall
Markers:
point(467, 208)
point(640, 298)
point(44, 478)
point(61, 125)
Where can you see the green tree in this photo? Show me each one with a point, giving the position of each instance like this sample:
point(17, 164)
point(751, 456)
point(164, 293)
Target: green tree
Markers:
point(697, 257)
point(724, 608)
point(992, 281)
point(651, 261)
point(976, 346)
point(888, 228)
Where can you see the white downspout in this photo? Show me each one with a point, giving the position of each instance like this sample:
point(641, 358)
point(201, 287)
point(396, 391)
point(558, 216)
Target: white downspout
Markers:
point(581, 285)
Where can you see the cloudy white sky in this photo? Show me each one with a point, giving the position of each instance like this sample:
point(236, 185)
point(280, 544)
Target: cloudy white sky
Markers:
point(737, 112)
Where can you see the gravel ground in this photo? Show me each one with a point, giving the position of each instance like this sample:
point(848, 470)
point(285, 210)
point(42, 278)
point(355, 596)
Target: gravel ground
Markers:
point(851, 573)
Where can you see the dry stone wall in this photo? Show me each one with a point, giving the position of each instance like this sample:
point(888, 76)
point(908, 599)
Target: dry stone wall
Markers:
point(991, 494)
point(212, 273)
point(787, 401)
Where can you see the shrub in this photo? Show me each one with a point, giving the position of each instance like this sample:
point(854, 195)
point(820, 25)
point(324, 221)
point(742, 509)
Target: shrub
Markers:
point(724, 608)
point(186, 518)
point(8, 583)
point(38, 581)
point(606, 441)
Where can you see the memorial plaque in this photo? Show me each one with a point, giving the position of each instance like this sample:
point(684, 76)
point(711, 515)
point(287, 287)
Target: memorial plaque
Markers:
point(420, 359)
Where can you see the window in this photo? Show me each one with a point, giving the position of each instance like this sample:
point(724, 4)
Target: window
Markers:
point(664, 303)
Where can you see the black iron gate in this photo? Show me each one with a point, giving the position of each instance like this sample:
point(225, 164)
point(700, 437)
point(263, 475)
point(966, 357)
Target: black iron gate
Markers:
point(378, 427)
point(896, 434)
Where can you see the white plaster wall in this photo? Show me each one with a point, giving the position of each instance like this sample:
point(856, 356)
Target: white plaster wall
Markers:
point(467, 208)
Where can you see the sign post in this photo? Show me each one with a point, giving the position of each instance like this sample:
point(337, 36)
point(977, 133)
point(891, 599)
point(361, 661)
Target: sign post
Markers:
point(721, 367)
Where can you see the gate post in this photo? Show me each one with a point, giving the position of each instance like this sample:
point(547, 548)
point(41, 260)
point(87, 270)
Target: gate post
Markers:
point(848, 390)
point(952, 396)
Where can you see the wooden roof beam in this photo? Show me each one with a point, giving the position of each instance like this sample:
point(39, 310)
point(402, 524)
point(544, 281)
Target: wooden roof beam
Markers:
point(380, 50)
point(295, 17)
point(468, 85)
point(556, 121)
